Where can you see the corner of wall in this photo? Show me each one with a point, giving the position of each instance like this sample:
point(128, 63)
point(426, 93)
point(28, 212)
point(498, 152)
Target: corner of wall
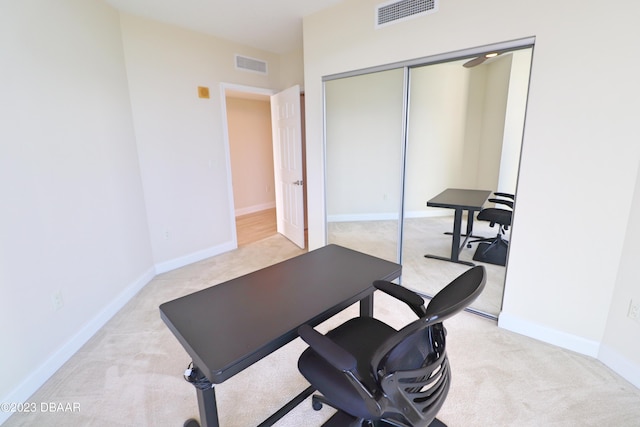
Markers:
point(172, 264)
point(552, 336)
point(620, 364)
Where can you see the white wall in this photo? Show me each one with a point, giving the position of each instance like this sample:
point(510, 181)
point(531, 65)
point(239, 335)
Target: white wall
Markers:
point(493, 112)
point(455, 137)
point(620, 343)
point(90, 187)
point(437, 117)
point(364, 146)
point(73, 218)
point(183, 156)
point(251, 150)
point(291, 70)
point(580, 142)
point(514, 120)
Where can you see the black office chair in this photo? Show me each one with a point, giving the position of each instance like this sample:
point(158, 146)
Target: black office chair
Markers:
point(377, 376)
point(494, 249)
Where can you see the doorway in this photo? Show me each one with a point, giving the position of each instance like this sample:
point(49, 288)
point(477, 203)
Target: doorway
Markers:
point(247, 113)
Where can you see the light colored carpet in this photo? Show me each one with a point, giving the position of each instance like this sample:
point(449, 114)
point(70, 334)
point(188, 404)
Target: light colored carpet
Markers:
point(130, 372)
point(423, 236)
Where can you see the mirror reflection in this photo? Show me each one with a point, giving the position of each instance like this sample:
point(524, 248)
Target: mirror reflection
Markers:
point(464, 124)
point(465, 132)
point(364, 126)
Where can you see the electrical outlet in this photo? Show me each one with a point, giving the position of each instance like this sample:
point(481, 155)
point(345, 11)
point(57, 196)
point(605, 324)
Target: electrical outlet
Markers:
point(56, 300)
point(166, 234)
point(634, 311)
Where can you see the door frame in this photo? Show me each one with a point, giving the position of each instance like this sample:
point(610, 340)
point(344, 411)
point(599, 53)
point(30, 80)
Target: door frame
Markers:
point(224, 89)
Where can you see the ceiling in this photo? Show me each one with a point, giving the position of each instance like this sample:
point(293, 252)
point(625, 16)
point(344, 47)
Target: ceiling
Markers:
point(274, 25)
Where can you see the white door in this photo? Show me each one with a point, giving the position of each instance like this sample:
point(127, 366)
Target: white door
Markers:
point(286, 122)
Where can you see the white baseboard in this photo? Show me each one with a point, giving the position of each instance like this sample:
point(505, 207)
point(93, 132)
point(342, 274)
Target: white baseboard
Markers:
point(431, 213)
point(549, 335)
point(255, 208)
point(620, 364)
point(387, 216)
point(362, 217)
point(42, 373)
point(165, 266)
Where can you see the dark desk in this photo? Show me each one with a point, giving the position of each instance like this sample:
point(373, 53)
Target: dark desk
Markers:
point(459, 200)
point(228, 327)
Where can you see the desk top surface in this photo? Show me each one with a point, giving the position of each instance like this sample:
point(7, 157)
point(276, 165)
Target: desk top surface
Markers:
point(460, 198)
point(227, 327)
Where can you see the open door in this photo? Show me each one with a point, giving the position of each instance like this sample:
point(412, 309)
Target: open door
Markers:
point(288, 168)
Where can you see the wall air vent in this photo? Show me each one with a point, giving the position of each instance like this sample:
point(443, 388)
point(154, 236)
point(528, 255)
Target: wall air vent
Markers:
point(395, 11)
point(251, 64)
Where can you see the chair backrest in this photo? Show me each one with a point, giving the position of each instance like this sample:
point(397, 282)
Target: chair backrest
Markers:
point(412, 367)
point(506, 199)
point(458, 294)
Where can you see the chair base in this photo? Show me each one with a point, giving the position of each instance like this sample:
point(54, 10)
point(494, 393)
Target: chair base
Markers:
point(492, 253)
point(342, 419)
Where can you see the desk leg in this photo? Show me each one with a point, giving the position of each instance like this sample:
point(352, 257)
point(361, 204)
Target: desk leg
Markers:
point(470, 214)
point(206, 401)
point(457, 230)
point(469, 223)
point(287, 408)
point(469, 230)
point(366, 306)
point(208, 407)
point(456, 237)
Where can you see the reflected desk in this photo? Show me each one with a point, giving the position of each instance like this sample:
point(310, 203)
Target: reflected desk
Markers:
point(228, 327)
point(459, 200)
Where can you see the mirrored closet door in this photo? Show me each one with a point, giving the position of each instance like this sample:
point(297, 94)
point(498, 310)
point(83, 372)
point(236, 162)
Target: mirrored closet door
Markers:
point(364, 144)
point(465, 131)
point(397, 138)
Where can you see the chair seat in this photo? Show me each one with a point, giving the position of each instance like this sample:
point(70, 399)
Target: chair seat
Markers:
point(361, 337)
point(496, 215)
point(379, 376)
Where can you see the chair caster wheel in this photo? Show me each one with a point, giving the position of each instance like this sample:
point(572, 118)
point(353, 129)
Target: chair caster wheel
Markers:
point(191, 423)
point(316, 404)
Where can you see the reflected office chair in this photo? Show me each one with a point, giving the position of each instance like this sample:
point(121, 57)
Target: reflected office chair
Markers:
point(377, 376)
point(494, 249)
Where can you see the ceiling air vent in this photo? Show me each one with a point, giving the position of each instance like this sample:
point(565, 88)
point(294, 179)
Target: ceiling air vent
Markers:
point(251, 64)
point(392, 12)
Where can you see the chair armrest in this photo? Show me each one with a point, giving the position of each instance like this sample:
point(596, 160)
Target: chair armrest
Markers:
point(502, 202)
point(340, 359)
point(330, 351)
point(506, 195)
point(410, 298)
